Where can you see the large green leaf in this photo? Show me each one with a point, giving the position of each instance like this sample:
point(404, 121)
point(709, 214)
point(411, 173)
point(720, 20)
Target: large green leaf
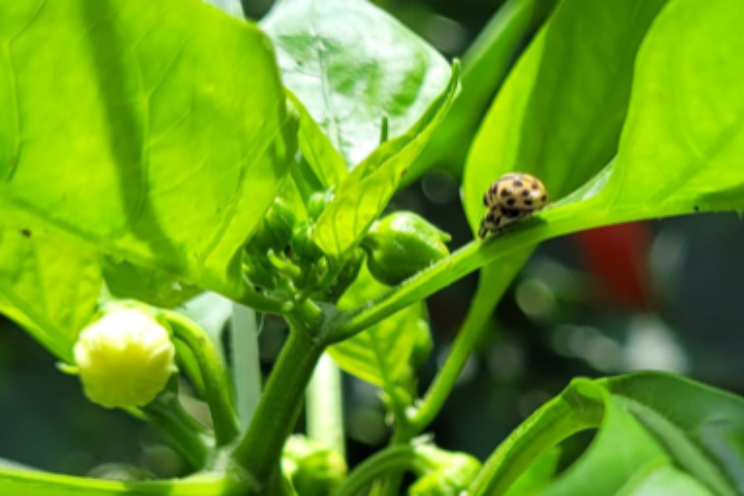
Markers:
point(350, 63)
point(156, 130)
point(365, 192)
point(30, 483)
point(49, 284)
point(562, 108)
point(679, 152)
point(485, 66)
point(381, 353)
point(125, 280)
point(655, 430)
point(547, 120)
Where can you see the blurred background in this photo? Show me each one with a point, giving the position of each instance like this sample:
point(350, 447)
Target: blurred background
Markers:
point(656, 295)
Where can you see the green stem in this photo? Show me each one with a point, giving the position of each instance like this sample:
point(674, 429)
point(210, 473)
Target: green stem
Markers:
point(394, 459)
point(260, 449)
point(246, 363)
point(580, 215)
point(46, 484)
point(216, 379)
point(487, 295)
point(181, 430)
point(324, 405)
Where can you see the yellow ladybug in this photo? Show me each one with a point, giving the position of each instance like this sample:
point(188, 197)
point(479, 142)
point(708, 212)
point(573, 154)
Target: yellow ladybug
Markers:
point(516, 190)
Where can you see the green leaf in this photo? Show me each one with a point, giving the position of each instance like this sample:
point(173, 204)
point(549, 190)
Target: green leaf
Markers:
point(583, 55)
point(380, 354)
point(684, 136)
point(485, 66)
point(654, 429)
point(30, 483)
point(125, 280)
point(679, 152)
point(562, 108)
point(350, 63)
point(157, 131)
point(49, 285)
point(538, 476)
point(701, 427)
point(366, 191)
point(325, 162)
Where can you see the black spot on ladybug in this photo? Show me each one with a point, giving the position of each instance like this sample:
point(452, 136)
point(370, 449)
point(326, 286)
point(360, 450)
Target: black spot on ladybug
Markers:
point(517, 183)
point(544, 198)
point(26, 233)
point(485, 200)
point(696, 209)
point(526, 192)
point(512, 213)
point(511, 202)
point(506, 192)
point(534, 186)
point(528, 203)
point(489, 217)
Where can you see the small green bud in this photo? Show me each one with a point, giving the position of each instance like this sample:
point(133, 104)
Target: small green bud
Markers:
point(314, 468)
point(275, 230)
point(317, 204)
point(452, 473)
point(260, 271)
point(402, 244)
point(125, 358)
point(303, 244)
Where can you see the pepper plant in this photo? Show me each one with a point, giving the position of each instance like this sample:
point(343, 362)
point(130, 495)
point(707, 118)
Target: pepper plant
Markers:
point(153, 151)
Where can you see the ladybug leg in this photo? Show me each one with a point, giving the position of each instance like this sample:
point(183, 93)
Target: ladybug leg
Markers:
point(482, 230)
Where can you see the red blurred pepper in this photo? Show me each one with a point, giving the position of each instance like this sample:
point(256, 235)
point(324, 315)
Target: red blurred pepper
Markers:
point(619, 256)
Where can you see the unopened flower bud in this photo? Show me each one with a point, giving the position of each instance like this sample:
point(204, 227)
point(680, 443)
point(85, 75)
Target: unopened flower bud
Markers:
point(125, 358)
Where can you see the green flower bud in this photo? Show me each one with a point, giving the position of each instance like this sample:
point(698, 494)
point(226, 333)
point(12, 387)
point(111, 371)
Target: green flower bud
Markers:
point(260, 271)
point(303, 244)
point(314, 468)
point(317, 204)
point(402, 244)
point(451, 475)
point(125, 358)
point(275, 230)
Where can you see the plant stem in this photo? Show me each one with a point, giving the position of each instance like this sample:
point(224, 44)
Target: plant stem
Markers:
point(325, 419)
point(181, 430)
point(394, 459)
point(489, 292)
point(246, 364)
point(260, 449)
point(549, 224)
point(216, 383)
point(46, 484)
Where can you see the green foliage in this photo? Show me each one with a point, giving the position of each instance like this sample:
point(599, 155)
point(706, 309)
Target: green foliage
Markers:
point(643, 440)
point(351, 64)
point(143, 195)
point(154, 145)
point(49, 284)
point(378, 355)
point(364, 193)
point(126, 280)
